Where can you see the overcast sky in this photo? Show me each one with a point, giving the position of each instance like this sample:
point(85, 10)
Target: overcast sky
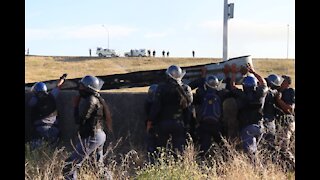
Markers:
point(69, 28)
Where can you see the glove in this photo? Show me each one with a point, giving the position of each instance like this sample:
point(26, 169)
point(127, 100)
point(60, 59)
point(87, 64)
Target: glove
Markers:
point(64, 76)
point(243, 70)
point(226, 69)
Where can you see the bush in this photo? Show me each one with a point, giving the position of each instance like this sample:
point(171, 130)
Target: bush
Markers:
point(222, 162)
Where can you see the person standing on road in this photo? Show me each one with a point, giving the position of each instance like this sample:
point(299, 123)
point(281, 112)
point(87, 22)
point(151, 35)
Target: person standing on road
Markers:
point(90, 52)
point(192, 53)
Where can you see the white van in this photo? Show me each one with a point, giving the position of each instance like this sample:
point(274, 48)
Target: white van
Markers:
point(136, 53)
point(106, 52)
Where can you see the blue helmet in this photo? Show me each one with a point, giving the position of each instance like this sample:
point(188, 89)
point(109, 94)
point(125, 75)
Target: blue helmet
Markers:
point(274, 80)
point(152, 91)
point(212, 81)
point(91, 83)
point(39, 87)
point(249, 81)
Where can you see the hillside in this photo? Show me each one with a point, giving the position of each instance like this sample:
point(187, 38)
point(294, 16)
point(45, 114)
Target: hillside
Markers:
point(42, 68)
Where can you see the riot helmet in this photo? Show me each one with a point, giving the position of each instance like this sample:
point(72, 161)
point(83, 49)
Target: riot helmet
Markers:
point(175, 72)
point(212, 81)
point(249, 83)
point(91, 83)
point(274, 81)
point(39, 87)
point(40, 90)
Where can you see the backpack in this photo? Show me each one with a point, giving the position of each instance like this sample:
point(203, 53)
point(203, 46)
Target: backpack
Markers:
point(211, 108)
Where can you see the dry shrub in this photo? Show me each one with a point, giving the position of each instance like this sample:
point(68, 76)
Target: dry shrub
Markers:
point(222, 162)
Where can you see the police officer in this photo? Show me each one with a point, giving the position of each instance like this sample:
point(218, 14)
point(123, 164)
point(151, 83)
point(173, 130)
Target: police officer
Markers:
point(250, 103)
point(286, 102)
point(168, 112)
point(230, 109)
point(151, 134)
point(90, 113)
point(270, 110)
point(209, 100)
point(44, 114)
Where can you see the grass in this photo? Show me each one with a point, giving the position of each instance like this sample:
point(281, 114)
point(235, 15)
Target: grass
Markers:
point(224, 162)
point(42, 68)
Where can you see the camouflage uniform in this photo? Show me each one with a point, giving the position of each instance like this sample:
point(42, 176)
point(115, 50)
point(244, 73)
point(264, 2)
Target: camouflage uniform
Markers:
point(286, 125)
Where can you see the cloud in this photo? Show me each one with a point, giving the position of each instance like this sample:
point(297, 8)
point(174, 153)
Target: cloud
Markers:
point(78, 32)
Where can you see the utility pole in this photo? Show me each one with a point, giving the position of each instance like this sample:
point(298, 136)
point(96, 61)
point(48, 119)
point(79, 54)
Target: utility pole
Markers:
point(287, 41)
point(227, 14)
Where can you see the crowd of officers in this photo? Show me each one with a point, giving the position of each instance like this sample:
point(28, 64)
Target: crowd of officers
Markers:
point(262, 110)
point(259, 110)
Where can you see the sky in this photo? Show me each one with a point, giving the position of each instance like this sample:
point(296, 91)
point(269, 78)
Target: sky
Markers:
point(261, 28)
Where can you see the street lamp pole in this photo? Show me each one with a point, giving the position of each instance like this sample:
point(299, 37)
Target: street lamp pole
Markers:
point(108, 39)
point(288, 41)
point(108, 34)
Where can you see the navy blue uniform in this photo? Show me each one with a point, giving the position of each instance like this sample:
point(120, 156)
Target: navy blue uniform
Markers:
point(250, 115)
point(44, 117)
point(169, 113)
point(288, 96)
point(151, 134)
point(208, 129)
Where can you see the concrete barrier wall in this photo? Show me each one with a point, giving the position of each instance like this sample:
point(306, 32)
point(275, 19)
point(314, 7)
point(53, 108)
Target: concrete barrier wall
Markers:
point(127, 113)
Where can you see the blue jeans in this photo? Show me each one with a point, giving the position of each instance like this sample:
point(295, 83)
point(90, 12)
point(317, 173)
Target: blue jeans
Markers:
point(249, 136)
point(83, 149)
point(47, 133)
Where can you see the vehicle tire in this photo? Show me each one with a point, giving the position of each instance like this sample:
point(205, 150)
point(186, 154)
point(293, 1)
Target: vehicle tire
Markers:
point(100, 55)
